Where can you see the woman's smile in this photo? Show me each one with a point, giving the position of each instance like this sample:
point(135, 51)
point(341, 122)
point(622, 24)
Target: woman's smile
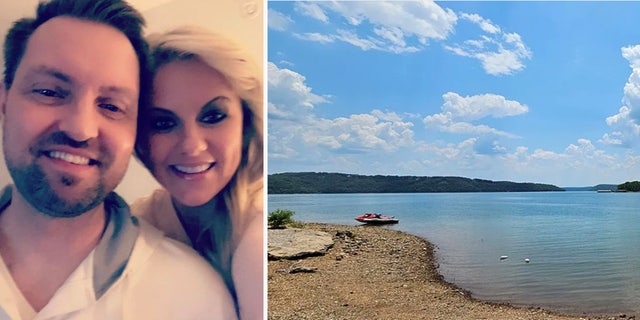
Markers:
point(192, 169)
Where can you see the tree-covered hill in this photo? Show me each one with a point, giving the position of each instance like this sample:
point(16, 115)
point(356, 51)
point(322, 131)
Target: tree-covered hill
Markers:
point(320, 182)
point(612, 187)
point(633, 186)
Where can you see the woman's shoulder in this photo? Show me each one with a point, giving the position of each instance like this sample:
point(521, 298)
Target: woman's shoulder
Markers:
point(248, 269)
point(157, 210)
point(148, 205)
point(252, 234)
point(249, 252)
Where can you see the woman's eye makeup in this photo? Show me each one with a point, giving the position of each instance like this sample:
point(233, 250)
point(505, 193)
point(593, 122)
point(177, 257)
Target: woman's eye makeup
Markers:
point(212, 117)
point(212, 112)
point(162, 121)
point(162, 124)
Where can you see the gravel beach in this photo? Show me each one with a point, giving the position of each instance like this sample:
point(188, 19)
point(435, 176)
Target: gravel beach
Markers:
point(377, 273)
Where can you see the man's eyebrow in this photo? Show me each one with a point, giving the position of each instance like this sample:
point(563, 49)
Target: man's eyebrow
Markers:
point(121, 91)
point(50, 71)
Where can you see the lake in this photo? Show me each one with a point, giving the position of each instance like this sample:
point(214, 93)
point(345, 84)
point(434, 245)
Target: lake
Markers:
point(583, 247)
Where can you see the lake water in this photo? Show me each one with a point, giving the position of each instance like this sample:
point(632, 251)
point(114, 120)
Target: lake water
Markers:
point(584, 247)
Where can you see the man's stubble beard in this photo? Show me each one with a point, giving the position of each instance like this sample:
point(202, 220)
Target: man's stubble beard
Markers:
point(35, 186)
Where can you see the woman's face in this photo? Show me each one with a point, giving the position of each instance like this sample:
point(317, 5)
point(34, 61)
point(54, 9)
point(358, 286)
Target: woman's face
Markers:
point(195, 131)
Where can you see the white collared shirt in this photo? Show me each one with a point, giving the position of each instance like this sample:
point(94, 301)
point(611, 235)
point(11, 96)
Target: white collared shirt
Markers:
point(158, 278)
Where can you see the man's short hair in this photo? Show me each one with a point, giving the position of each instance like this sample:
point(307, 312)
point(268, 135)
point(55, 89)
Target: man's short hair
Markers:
point(115, 13)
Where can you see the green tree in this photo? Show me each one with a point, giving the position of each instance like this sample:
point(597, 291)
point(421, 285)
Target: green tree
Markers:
point(279, 218)
point(630, 186)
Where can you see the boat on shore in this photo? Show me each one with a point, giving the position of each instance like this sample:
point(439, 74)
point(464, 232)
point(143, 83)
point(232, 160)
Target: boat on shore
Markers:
point(376, 218)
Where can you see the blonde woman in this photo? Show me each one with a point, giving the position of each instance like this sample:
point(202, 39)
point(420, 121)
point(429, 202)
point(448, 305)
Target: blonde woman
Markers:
point(202, 139)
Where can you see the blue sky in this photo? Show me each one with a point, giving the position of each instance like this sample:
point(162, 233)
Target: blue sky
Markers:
point(523, 91)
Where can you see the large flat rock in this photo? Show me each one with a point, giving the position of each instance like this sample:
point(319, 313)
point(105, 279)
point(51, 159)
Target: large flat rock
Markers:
point(293, 243)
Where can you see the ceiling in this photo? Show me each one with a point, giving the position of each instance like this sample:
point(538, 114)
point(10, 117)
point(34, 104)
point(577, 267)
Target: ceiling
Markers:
point(241, 19)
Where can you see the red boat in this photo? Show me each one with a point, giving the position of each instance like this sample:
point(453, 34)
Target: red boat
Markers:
point(376, 218)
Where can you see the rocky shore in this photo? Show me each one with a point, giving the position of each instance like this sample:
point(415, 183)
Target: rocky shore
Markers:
point(376, 273)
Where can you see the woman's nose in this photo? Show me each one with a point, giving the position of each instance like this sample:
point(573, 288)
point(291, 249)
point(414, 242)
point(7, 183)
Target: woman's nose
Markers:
point(193, 141)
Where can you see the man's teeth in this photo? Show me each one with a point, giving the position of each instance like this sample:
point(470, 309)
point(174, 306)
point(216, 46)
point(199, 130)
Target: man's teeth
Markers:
point(196, 169)
point(68, 157)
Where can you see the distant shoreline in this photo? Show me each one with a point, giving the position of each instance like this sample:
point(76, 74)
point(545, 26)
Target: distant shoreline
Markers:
point(323, 182)
point(381, 273)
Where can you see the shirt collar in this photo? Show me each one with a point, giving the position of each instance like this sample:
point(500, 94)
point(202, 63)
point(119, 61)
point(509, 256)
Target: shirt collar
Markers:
point(112, 252)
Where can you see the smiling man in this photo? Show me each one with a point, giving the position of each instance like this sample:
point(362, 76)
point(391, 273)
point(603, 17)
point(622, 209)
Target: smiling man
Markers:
point(74, 78)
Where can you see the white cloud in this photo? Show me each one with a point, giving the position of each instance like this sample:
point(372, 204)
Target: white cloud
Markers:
point(500, 53)
point(398, 27)
point(632, 54)
point(485, 24)
point(446, 123)
point(286, 63)
point(424, 19)
point(353, 39)
point(289, 95)
point(585, 154)
point(392, 34)
point(612, 139)
point(625, 123)
point(457, 111)
point(407, 27)
point(359, 132)
point(480, 106)
point(501, 62)
point(315, 37)
point(475, 157)
point(312, 10)
point(293, 125)
point(620, 117)
point(545, 155)
point(584, 146)
point(278, 21)
point(371, 43)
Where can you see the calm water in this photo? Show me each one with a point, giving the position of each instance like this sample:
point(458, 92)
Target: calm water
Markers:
point(584, 247)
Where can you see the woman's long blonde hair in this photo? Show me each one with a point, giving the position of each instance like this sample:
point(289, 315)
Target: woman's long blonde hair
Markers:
point(243, 195)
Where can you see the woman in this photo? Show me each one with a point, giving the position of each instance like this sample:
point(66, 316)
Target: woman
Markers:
point(202, 140)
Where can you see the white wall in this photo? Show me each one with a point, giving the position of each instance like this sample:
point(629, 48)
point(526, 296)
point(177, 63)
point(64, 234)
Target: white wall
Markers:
point(241, 19)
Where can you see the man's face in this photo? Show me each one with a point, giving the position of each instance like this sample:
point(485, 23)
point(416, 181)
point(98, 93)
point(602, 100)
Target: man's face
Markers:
point(69, 118)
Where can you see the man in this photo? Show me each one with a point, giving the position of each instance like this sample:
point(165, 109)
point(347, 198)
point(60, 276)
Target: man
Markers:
point(74, 77)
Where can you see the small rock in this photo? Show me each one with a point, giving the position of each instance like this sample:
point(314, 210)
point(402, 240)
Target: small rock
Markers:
point(303, 269)
point(344, 234)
